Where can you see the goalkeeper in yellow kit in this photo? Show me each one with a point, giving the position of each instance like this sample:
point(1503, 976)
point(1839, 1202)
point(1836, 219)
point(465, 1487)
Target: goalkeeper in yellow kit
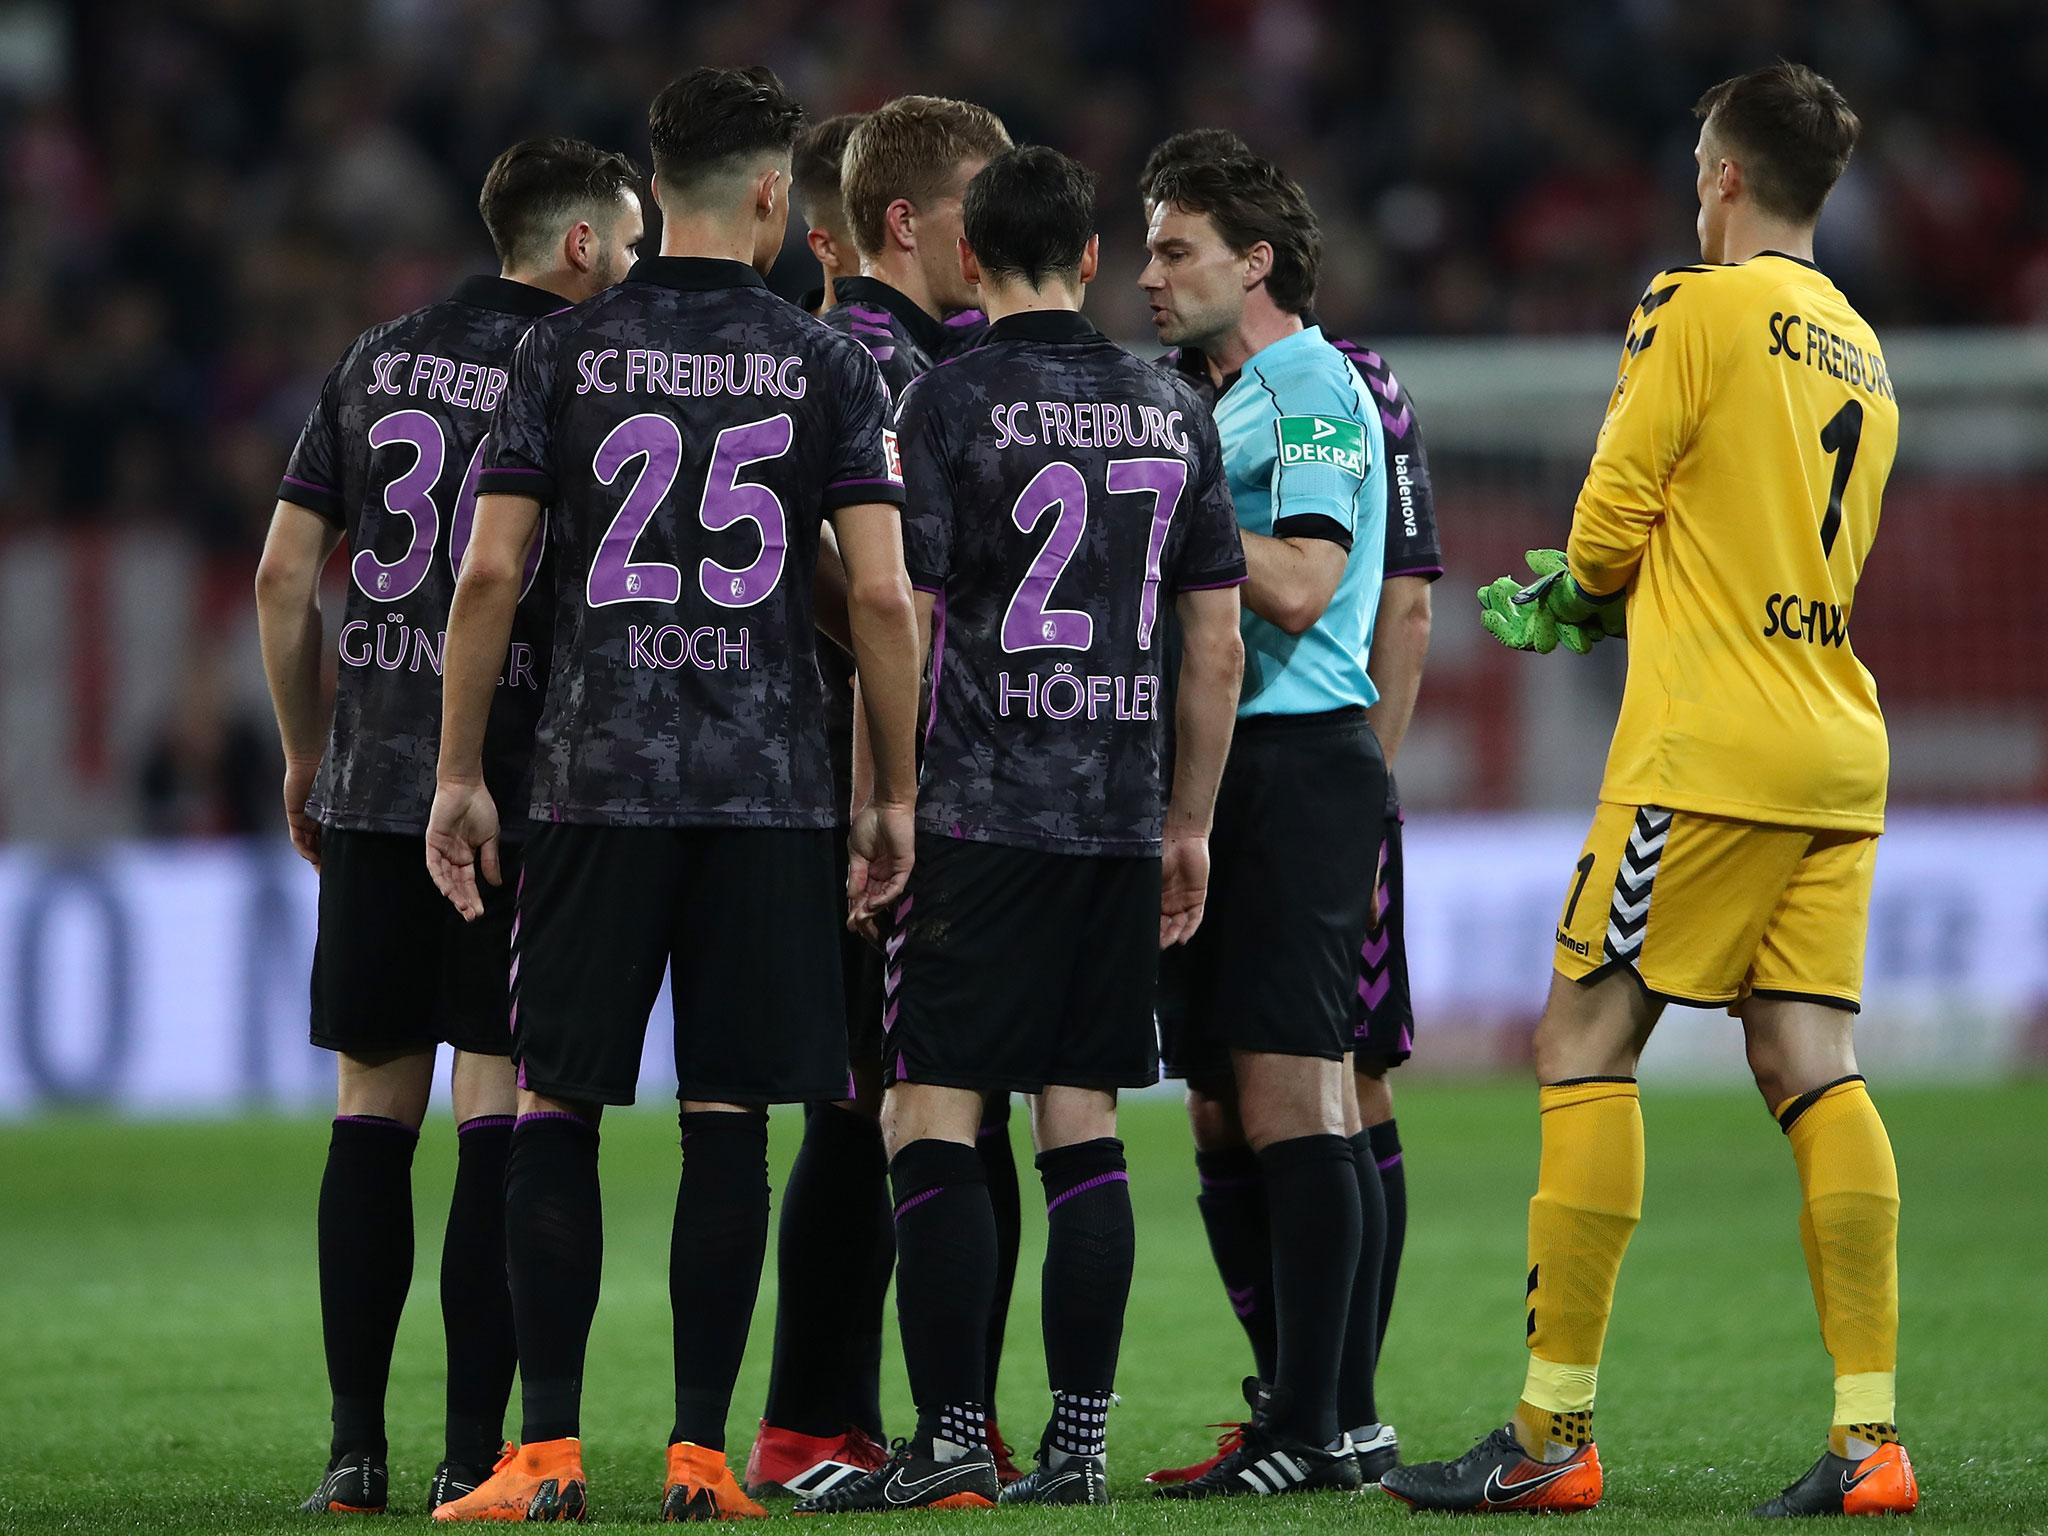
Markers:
point(1730, 505)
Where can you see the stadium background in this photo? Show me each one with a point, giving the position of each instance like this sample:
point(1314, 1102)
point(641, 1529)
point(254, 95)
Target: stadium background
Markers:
point(202, 201)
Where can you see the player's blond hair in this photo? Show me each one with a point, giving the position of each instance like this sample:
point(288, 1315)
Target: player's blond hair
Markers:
point(911, 148)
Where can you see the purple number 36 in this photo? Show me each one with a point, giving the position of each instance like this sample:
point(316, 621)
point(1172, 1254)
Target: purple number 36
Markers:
point(616, 577)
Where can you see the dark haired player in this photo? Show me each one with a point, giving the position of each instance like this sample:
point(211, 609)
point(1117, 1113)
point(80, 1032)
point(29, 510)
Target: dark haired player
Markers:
point(816, 197)
point(903, 172)
point(689, 433)
point(1744, 457)
point(1232, 1198)
point(389, 458)
point(1061, 494)
point(1259, 1013)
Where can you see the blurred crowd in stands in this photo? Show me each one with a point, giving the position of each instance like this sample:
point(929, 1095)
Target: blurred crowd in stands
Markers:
point(202, 201)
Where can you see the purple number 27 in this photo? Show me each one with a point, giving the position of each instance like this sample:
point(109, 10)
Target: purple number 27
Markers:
point(1030, 623)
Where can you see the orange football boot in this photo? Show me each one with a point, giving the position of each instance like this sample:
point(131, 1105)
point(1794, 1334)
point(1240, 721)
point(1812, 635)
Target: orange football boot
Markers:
point(701, 1487)
point(542, 1481)
point(1497, 1475)
point(1882, 1483)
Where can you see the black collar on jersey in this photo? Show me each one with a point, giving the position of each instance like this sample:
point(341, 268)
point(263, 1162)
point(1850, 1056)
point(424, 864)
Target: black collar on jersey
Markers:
point(812, 302)
point(1041, 325)
point(695, 274)
point(501, 293)
point(1788, 256)
point(930, 335)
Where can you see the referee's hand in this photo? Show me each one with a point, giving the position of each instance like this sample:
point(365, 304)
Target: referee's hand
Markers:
point(1183, 888)
point(462, 831)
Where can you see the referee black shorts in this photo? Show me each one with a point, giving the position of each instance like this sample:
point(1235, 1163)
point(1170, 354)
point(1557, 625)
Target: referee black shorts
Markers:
point(1300, 817)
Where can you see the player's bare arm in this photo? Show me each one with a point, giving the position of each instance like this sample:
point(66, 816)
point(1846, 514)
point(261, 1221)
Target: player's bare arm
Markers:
point(288, 620)
point(1205, 714)
point(1400, 647)
point(828, 592)
point(882, 620)
point(1292, 580)
point(463, 825)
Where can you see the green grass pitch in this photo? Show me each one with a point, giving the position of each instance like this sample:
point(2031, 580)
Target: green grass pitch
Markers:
point(163, 1372)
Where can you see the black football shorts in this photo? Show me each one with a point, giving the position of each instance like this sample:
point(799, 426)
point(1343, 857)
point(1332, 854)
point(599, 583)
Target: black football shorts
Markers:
point(1300, 817)
point(1383, 1031)
point(744, 919)
point(394, 967)
point(1012, 969)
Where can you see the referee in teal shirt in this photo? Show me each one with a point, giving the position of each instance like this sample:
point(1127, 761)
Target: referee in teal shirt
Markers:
point(1256, 1012)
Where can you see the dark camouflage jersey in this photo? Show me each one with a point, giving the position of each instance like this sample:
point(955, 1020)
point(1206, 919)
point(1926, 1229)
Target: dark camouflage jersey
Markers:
point(964, 328)
point(1061, 493)
point(1412, 547)
point(904, 341)
point(390, 455)
point(689, 431)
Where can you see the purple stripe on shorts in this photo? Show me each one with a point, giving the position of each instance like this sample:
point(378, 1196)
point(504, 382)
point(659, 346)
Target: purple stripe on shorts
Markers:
point(483, 1122)
point(919, 1199)
point(1388, 1162)
point(514, 469)
point(311, 485)
point(1082, 1188)
point(384, 1121)
point(1419, 570)
point(840, 485)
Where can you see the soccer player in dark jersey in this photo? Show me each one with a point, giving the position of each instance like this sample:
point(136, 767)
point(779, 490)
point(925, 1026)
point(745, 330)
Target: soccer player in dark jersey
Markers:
point(816, 197)
point(905, 169)
point(389, 458)
point(1061, 494)
point(1260, 1013)
point(688, 433)
point(1232, 1198)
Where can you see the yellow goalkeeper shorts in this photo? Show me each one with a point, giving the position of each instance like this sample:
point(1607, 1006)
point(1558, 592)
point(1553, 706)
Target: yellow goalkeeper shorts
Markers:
point(1709, 911)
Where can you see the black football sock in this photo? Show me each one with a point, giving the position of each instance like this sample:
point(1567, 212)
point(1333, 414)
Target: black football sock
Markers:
point(1090, 1244)
point(365, 1268)
point(1312, 1200)
point(834, 1236)
point(1355, 1406)
point(867, 1293)
point(1386, 1155)
point(554, 1242)
point(1233, 1206)
point(945, 1285)
point(999, 1168)
point(714, 1263)
point(476, 1298)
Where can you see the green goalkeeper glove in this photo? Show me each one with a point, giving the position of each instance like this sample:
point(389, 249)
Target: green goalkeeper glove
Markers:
point(1549, 611)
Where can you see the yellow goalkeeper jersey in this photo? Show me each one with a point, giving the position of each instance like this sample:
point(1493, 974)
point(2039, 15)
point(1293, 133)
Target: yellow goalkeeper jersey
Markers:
point(1735, 494)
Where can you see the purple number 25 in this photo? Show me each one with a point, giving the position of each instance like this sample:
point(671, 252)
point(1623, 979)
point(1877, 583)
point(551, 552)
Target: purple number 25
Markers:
point(616, 577)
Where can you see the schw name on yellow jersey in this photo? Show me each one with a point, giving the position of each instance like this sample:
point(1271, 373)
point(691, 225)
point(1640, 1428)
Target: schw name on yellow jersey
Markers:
point(1735, 493)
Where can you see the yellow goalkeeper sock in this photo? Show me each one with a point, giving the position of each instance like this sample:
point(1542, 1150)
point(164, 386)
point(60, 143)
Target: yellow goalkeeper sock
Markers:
point(1849, 1227)
point(1589, 1197)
